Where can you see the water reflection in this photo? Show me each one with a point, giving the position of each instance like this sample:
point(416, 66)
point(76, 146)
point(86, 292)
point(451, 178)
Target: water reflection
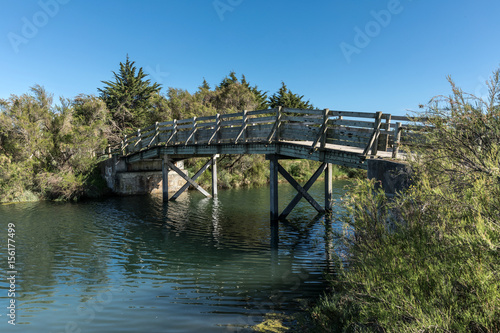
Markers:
point(138, 264)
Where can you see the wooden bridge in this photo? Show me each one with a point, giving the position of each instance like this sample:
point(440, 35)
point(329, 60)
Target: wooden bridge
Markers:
point(332, 137)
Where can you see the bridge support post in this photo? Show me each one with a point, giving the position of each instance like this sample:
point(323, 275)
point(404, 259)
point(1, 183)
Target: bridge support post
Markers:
point(273, 179)
point(328, 188)
point(214, 176)
point(164, 173)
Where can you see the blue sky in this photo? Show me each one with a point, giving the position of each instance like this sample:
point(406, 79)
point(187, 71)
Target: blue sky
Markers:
point(362, 55)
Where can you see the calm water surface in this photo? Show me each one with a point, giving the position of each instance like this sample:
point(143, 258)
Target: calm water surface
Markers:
point(136, 264)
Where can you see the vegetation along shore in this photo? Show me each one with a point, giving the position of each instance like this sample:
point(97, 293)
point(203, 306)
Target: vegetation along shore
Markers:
point(48, 150)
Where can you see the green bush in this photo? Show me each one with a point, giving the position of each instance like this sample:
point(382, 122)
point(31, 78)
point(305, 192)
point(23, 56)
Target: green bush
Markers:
point(429, 260)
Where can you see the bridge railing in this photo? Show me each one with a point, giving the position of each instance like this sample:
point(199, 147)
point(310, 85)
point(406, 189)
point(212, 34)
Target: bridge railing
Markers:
point(371, 131)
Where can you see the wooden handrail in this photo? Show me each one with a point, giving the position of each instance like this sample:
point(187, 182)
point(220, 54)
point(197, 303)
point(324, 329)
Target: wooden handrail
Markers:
point(321, 127)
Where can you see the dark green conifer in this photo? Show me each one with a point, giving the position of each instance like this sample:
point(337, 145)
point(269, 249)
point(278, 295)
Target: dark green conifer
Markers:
point(284, 97)
point(128, 96)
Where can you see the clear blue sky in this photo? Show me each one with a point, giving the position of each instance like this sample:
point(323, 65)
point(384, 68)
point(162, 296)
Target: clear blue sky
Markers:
point(362, 55)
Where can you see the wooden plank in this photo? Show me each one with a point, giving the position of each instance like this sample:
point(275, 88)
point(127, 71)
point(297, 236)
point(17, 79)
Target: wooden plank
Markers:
point(303, 111)
point(258, 133)
point(260, 112)
point(303, 119)
point(348, 143)
point(229, 123)
point(184, 121)
point(210, 124)
point(270, 119)
point(198, 119)
point(353, 114)
point(231, 115)
point(352, 123)
point(181, 127)
point(356, 130)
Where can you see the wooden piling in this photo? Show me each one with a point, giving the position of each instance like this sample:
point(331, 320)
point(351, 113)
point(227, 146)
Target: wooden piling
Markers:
point(328, 188)
point(164, 173)
point(273, 168)
point(214, 176)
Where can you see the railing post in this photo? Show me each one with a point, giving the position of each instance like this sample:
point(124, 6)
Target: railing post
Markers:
point(195, 124)
point(244, 125)
point(108, 151)
point(278, 123)
point(388, 129)
point(138, 142)
point(125, 145)
point(324, 128)
point(217, 128)
point(175, 137)
point(157, 133)
point(397, 139)
point(378, 120)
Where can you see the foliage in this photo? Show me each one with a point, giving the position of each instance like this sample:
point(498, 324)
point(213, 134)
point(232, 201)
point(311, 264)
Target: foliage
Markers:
point(429, 260)
point(128, 96)
point(48, 149)
point(284, 97)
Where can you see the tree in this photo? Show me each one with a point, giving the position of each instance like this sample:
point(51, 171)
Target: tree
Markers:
point(128, 96)
point(233, 96)
point(48, 149)
point(284, 97)
point(260, 96)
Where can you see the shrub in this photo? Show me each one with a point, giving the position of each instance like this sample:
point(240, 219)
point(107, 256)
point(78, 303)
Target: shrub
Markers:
point(429, 260)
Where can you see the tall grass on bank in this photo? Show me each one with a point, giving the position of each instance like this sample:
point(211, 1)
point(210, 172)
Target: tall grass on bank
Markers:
point(429, 260)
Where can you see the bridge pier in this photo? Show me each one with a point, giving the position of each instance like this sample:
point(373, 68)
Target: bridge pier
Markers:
point(275, 168)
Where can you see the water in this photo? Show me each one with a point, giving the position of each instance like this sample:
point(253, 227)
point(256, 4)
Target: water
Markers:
point(136, 264)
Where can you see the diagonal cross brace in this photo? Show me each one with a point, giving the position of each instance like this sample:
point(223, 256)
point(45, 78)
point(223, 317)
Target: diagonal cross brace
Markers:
point(302, 190)
point(190, 181)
